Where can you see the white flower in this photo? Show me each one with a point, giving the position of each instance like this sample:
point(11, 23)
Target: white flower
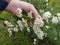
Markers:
point(46, 15)
point(58, 14)
point(16, 26)
point(34, 43)
point(30, 14)
point(54, 20)
point(38, 32)
point(45, 34)
point(46, 0)
point(55, 38)
point(25, 22)
point(35, 40)
point(52, 9)
point(41, 10)
point(10, 32)
point(15, 29)
point(8, 24)
point(59, 19)
point(28, 29)
point(35, 28)
point(19, 22)
point(39, 22)
point(47, 4)
point(19, 13)
point(47, 21)
point(47, 27)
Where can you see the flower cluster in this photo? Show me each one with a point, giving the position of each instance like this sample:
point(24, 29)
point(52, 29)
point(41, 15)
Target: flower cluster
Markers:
point(46, 15)
point(24, 23)
point(34, 42)
point(30, 14)
point(19, 22)
point(36, 27)
point(38, 24)
point(54, 20)
point(10, 27)
point(19, 13)
point(8, 24)
point(58, 16)
point(38, 32)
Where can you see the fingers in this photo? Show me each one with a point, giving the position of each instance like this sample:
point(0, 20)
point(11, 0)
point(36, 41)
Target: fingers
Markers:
point(34, 11)
point(29, 7)
point(13, 5)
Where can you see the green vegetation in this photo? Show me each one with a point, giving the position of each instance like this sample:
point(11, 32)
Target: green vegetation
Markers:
point(24, 38)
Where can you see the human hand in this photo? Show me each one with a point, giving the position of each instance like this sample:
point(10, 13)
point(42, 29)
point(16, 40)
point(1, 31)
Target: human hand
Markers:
point(15, 4)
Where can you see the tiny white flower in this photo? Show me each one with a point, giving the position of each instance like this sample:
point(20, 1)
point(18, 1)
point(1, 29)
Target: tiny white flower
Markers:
point(55, 38)
point(8, 24)
point(10, 32)
point(41, 10)
point(46, 15)
point(17, 26)
point(28, 29)
point(35, 40)
point(58, 14)
point(46, 0)
point(54, 20)
point(47, 21)
point(34, 43)
point(47, 4)
point(45, 34)
point(25, 22)
point(15, 29)
point(19, 22)
point(30, 14)
point(47, 27)
point(52, 9)
point(19, 13)
point(59, 19)
point(10, 29)
point(11, 25)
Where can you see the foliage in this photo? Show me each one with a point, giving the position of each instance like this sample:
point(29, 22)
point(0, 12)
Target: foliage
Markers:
point(25, 38)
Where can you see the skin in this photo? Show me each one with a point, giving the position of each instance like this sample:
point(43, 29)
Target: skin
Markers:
point(15, 4)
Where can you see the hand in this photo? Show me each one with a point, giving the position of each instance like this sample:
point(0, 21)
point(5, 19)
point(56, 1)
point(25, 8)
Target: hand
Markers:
point(15, 4)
